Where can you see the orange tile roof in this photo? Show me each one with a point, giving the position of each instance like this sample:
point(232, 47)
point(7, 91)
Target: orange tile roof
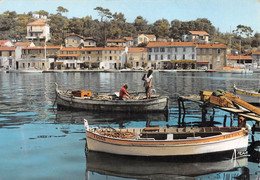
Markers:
point(236, 57)
point(199, 32)
point(113, 48)
point(115, 40)
point(137, 49)
point(73, 34)
point(6, 48)
point(22, 44)
point(128, 38)
point(89, 38)
point(42, 47)
point(70, 49)
point(68, 55)
point(256, 52)
point(36, 23)
point(150, 35)
point(212, 45)
point(92, 49)
point(167, 44)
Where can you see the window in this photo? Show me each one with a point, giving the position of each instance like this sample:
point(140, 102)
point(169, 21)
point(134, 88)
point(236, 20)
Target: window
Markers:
point(161, 57)
point(89, 52)
point(110, 58)
point(176, 50)
point(184, 49)
point(218, 51)
point(169, 50)
point(193, 56)
point(149, 57)
point(156, 49)
point(169, 56)
point(29, 65)
point(115, 58)
point(162, 49)
point(110, 52)
point(175, 57)
point(156, 57)
point(114, 52)
point(193, 49)
point(150, 50)
point(183, 56)
point(10, 53)
point(105, 52)
point(23, 65)
point(84, 58)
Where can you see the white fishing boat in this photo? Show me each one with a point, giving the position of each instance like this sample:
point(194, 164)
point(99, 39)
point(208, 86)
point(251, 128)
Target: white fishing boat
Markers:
point(162, 141)
point(250, 96)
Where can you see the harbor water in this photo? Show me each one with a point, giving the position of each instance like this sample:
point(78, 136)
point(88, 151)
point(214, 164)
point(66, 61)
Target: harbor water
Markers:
point(38, 141)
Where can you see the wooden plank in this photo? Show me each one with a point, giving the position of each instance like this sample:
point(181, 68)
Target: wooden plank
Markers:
point(250, 116)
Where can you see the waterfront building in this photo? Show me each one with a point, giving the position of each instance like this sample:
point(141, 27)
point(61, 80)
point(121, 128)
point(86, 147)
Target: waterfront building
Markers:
point(7, 43)
point(116, 43)
point(19, 46)
point(256, 59)
point(171, 55)
point(211, 56)
point(91, 57)
point(113, 58)
point(198, 36)
point(143, 38)
point(241, 61)
point(68, 58)
point(37, 58)
point(7, 58)
point(137, 57)
point(38, 30)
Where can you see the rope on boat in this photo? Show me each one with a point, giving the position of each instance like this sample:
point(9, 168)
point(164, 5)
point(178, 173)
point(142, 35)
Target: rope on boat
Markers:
point(55, 100)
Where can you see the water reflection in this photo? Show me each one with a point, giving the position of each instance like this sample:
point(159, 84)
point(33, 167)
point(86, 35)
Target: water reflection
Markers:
point(147, 168)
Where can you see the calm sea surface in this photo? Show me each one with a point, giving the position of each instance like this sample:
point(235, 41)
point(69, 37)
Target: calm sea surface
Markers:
point(39, 142)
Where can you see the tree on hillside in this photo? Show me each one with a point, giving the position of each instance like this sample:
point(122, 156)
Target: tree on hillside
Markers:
point(103, 13)
point(8, 25)
point(141, 25)
point(61, 10)
point(58, 27)
point(242, 30)
point(161, 28)
point(42, 12)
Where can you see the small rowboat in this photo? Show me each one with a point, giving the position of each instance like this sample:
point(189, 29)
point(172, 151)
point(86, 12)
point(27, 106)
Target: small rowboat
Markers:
point(80, 99)
point(250, 96)
point(172, 141)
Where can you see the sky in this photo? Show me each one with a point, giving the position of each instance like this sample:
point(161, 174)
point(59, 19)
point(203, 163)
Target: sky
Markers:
point(223, 14)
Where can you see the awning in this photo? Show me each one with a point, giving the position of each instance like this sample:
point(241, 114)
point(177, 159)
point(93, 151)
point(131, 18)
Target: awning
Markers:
point(202, 62)
point(183, 61)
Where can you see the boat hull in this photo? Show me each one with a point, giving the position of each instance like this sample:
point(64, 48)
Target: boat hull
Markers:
point(222, 143)
point(248, 96)
point(159, 104)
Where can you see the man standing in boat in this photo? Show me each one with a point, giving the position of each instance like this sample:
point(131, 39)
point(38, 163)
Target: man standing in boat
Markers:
point(147, 78)
point(123, 92)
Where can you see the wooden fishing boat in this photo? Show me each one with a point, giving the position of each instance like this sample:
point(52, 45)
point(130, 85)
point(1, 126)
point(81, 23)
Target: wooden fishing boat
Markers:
point(250, 96)
point(172, 141)
point(80, 99)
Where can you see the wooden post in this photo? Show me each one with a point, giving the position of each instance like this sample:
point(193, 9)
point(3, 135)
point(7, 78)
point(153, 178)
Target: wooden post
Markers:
point(204, 112)
point(179, 105)
point(225, 120)
point(184, 112)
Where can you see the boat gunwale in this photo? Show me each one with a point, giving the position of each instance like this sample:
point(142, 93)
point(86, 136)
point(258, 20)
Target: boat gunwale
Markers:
point(211, 139)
